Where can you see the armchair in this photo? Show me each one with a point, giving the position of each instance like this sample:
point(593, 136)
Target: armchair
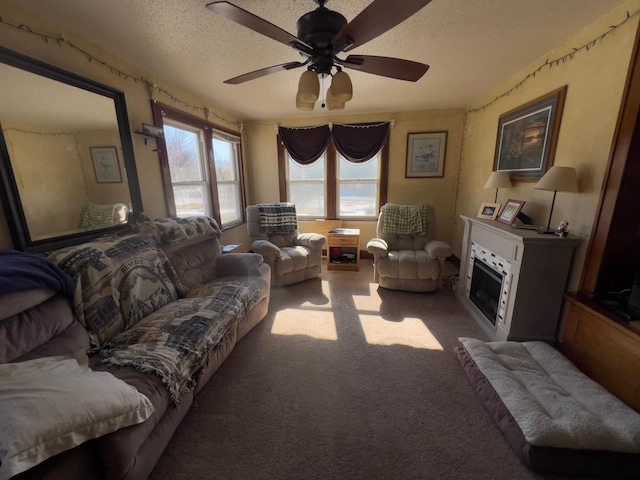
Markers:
point(273, 232)
point(406, 255)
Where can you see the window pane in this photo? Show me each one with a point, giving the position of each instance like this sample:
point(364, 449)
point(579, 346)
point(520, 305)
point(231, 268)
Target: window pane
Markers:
point(308, 198)
point(357, 199)
point(224, 154)
point(190, 200)
point(350, 170)
point(314, 171)
point(229, 197)
point(183, 150)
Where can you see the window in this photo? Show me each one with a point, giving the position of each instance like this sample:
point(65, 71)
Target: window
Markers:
point(333, 187)
point(201, 168)
point(307, 186)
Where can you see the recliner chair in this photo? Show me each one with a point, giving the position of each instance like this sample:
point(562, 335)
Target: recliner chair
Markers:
point(406, 255)
point(292, 256)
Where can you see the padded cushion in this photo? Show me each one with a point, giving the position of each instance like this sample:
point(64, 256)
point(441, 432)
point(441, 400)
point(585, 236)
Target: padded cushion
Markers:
point(53, 404)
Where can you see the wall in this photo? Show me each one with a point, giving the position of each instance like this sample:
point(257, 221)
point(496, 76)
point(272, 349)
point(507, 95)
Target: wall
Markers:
point(595, 80)
point(260, 143)
point(137, 94)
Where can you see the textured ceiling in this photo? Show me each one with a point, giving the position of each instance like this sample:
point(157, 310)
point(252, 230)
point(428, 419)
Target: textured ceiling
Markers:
point(471, 45)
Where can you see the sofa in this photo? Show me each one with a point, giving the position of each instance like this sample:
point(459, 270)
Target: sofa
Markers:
point(406, 254)
point(292, 256)
point(149, 317)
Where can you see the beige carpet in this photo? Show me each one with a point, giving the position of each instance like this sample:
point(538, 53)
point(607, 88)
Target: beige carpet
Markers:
point(343, 380)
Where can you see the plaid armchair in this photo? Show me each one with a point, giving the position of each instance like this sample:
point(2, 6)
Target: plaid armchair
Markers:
point(406, 255)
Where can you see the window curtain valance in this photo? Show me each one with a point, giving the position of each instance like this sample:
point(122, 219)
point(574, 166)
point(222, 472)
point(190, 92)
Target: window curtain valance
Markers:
point(357, 142)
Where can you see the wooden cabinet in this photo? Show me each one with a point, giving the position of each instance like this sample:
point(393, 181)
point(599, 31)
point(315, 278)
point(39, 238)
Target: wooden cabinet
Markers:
point(343, 249)
point(533, 270)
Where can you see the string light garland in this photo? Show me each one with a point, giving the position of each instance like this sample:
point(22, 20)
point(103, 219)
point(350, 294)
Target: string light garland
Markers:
point(569, 56)
point(154, 88)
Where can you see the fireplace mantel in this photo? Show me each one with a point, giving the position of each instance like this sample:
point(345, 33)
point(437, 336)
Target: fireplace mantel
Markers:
point(538, 269)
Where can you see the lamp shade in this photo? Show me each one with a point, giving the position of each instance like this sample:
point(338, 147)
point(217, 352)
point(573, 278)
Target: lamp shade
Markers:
point(300, 105)
point(341, 87)
point(332, 103)
point(559, 179)
point(308, 87)
point(498, 180)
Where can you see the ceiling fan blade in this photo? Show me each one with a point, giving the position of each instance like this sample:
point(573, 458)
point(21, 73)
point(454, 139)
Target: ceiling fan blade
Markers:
point(263, 72)
point(386, 66)
point(377, 18)
point(257, 24)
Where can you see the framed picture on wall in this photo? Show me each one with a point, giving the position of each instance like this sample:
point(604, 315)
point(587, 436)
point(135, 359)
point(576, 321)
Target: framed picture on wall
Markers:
point(489, 211)
point(527, 137)
point(425, 154)
point(106, 165)
point(510, 211)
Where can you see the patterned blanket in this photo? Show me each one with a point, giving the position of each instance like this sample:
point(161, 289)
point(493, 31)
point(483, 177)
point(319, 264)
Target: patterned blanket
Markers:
point(278, 218)
point(405, 219)
point(175, 343)
point(168, 231)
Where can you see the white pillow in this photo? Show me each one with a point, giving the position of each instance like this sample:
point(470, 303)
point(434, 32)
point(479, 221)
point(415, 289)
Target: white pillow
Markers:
point(53, 404)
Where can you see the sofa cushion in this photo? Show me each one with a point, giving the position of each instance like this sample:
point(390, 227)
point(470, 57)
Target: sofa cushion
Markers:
point(49, 405)
point(119, 281)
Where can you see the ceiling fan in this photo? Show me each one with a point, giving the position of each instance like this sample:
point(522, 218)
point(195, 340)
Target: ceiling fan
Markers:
point(322, 35)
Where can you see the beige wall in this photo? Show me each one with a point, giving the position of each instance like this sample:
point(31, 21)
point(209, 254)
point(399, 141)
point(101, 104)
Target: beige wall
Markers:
point(595, 80)
point(260, 139)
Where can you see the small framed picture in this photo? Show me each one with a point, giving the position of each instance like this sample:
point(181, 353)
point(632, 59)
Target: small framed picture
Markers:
point(425, 154)
point(106, 165)
point(510, 211)
point(489, 211)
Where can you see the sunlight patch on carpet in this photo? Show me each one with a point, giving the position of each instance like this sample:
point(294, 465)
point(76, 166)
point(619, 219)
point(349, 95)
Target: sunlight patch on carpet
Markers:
point(411, 332)
point(295, 321)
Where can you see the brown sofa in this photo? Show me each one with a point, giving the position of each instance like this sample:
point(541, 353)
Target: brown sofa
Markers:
point(139, 299)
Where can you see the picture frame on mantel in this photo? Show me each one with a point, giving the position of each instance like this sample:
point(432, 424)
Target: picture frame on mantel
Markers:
point(510, 211)
point(425, 154)
point(528, 135)
point(489, 211)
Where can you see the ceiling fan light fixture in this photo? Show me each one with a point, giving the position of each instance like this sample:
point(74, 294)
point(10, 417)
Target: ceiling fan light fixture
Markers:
point(300, 105)
point(308, 87)
point(332, 103)
point(341, 87)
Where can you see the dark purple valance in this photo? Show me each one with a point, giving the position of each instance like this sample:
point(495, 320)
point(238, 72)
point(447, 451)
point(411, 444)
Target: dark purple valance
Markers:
point(305, 145)
point(356, 142)
point(360, 142)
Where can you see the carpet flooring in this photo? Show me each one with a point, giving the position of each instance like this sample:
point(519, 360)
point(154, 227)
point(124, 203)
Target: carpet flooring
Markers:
point(343, 380)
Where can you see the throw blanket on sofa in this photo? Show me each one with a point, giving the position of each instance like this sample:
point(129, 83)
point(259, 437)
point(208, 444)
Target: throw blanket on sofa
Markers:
point(278, 218)
point(22, 271)
point(168, 231)
point(175, 342)
point(405, 219)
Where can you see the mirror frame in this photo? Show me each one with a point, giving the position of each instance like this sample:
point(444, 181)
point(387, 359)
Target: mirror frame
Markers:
point(10, 194)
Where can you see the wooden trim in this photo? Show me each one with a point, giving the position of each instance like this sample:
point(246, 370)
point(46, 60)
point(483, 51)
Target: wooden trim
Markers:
point(169, 199)
point(620, 149)
point(282, 169)
point(332, 182)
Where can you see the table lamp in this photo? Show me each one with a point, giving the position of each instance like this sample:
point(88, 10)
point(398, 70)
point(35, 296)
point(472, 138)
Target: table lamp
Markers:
point(558, 179)
point(498, 180)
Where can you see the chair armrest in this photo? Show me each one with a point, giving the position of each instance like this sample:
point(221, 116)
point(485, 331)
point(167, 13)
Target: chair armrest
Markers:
point(378, 246)
point(314, 241)
point(438, 249)
point(238, 264)
point(265, 248)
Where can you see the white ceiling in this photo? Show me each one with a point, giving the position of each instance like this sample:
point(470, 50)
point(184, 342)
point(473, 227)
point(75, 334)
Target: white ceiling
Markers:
point(471, 45)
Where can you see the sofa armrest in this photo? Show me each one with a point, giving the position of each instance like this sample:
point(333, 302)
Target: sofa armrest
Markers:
point(238, 264)
point(314, 241)
point(437, 249)
point(265, 248)
point(378, 246)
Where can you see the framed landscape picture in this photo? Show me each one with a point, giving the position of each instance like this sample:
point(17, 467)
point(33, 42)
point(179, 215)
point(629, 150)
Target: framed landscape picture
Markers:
point(527, 137)
point(425, 154)
point(510, 211)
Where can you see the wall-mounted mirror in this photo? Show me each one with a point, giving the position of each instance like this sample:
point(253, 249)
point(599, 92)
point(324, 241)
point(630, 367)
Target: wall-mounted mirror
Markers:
point(66, 156)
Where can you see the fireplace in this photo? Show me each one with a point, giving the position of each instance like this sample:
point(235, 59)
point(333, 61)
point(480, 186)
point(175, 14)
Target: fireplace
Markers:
point(488, 280)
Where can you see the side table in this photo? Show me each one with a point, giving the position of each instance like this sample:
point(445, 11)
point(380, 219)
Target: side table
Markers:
point(343, 249)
